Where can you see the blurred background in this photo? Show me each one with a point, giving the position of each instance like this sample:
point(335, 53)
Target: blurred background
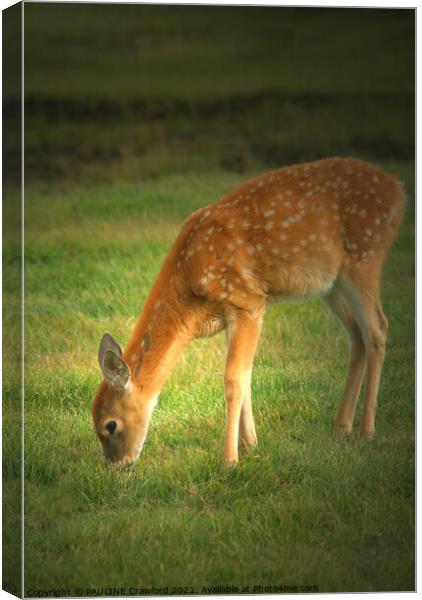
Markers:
point(138, 91)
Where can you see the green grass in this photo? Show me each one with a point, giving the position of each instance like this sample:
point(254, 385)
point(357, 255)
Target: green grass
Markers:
point(303, 509)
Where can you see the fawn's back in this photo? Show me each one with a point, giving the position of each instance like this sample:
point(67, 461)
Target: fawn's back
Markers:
point(291, 231)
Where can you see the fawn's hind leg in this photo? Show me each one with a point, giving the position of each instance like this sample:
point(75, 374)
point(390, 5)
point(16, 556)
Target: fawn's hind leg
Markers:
point(377, 337)
point(337, 301)
point(361, 287)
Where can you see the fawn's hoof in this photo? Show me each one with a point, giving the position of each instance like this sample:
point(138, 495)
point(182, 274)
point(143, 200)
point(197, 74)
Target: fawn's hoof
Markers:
point(229, 463)
point(367, 434)
point(248, 444)
point(342, 429)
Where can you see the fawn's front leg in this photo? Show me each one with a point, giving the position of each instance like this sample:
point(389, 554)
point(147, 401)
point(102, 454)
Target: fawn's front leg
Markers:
point(243, 335)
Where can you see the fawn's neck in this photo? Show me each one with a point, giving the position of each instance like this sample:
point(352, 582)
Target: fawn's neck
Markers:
point(165, 326)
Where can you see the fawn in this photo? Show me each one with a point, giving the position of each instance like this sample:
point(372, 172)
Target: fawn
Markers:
point(320, 228)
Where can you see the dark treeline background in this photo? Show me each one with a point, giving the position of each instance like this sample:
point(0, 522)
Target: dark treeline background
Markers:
point(142, 91)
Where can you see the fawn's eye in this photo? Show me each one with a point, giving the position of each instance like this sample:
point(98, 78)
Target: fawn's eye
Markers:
point(111, 426)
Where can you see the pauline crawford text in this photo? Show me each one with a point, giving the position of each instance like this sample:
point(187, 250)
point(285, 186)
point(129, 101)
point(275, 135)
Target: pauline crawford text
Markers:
point(153, 591)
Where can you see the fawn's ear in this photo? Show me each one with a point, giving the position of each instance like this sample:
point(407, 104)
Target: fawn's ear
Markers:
point(112, 364)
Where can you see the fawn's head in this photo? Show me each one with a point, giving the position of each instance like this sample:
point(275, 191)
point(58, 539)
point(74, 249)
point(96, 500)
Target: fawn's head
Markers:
point(120, 411)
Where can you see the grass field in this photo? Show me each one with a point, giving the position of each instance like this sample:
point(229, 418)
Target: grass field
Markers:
point(303, 509)
point(106, 195)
